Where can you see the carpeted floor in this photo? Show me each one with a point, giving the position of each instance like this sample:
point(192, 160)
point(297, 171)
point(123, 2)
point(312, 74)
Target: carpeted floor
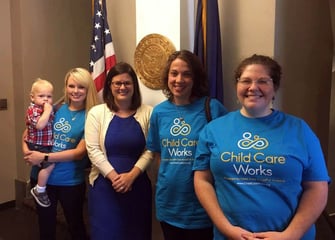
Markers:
point(21, 224)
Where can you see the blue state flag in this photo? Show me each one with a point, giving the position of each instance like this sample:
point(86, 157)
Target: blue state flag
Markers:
point(207, 45)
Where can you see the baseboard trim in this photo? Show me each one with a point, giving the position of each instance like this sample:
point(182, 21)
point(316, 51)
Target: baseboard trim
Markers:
point(21, 191)
point(6, 205)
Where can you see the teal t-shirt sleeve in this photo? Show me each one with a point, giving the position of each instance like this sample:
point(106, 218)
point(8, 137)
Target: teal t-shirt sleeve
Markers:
point(316, 169)
point(217, 108)
point(153, 135)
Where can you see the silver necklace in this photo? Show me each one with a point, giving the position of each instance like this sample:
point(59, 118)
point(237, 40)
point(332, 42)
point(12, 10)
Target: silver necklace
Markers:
point(74, 115)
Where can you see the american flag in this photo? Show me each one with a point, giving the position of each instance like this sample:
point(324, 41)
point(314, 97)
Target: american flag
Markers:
point(102, 50)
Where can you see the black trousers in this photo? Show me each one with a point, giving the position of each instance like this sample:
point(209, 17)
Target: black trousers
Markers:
point(71, 199)
point(175, 233)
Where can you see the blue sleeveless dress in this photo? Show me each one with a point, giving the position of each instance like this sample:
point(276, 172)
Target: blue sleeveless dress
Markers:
point(121, 216)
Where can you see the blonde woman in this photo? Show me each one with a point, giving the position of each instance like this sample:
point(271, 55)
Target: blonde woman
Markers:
point(66, 183)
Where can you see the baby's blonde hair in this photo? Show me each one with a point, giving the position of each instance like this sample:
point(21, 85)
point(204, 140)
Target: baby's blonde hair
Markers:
point(38, 83)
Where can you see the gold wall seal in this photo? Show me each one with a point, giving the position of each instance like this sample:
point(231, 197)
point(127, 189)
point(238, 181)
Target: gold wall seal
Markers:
point(151, 55)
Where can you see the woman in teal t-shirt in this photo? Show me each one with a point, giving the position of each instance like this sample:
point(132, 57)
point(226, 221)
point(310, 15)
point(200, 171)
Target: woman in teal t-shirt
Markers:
point(260, 173)
point(66, 183)
point(173, 135)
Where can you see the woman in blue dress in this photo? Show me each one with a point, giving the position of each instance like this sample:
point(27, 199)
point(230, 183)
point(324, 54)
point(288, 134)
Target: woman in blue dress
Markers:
point(120, 195)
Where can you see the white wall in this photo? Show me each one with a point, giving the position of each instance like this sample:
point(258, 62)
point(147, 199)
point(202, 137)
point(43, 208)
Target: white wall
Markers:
point(164, 19)
point(170, 19)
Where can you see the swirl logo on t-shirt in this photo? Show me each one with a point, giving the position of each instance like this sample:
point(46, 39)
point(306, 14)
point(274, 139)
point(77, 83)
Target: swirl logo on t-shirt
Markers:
point(247, 142)
point(253, 163)
point(180, 127)
point(61, 138)
point(62, 125)
point(179, 147)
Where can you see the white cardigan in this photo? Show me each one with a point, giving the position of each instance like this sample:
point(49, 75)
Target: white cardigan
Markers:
point(96, 125)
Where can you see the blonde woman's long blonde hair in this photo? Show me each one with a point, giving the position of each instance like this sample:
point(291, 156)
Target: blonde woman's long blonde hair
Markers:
point(84, 78)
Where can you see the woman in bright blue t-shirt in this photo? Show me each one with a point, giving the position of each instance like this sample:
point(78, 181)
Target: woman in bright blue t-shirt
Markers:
point(260, 173)
point(173, 134)
point(66, 183)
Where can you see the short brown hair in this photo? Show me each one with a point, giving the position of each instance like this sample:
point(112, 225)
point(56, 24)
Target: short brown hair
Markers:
point(274, 69)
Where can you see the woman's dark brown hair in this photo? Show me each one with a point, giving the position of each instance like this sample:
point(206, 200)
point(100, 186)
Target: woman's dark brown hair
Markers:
point(108, 97)
point(199, 77)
